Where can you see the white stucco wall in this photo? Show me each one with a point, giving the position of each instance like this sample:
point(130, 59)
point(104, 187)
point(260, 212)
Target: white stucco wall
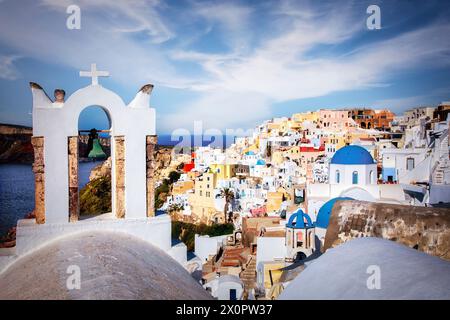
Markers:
point(270, 248)
point(346, 173)
point(179, 253)
point(226, 283)
point(205, 245)
point(318, 194)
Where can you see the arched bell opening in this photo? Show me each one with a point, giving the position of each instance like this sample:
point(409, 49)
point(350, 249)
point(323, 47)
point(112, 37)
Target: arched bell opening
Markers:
point(91, 195)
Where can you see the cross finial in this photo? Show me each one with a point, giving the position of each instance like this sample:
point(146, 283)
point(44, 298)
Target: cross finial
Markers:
point(94, 74)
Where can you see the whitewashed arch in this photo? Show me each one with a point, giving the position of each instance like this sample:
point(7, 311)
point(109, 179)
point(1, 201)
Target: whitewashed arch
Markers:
point(358, 193)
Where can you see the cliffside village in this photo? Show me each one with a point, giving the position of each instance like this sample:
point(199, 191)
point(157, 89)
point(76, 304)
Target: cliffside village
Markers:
point(279, 187)
point(333, 192)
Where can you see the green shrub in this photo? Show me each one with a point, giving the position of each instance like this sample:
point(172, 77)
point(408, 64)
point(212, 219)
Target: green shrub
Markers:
point(95, 197)
point(188, 236)
point(174, 176)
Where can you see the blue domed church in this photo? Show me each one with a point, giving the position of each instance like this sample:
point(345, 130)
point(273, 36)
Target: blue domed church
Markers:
point(353, 165)
point(352, 175)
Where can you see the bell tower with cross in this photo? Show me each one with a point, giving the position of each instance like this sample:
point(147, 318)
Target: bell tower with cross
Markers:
point(55, 137)
point(55, 142)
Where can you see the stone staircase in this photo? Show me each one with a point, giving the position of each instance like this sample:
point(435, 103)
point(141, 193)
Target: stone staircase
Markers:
point(248, 276)
point(439, 172)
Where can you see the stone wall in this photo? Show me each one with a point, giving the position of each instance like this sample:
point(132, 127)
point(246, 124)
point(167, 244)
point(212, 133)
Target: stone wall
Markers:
point(74, 203)
point(422, 228)
point(16, 148)
point(150, 165)
point(15, 129)
point(39, 179)
point(120, 176)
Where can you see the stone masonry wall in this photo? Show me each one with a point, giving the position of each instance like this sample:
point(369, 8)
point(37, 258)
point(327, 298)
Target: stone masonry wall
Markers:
point(150, 163)
point(120, 176)
point(422, 228)
point(74, 203)
point(39, 179)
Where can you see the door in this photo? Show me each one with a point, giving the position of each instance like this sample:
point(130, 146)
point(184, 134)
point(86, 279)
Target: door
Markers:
point(233, 294)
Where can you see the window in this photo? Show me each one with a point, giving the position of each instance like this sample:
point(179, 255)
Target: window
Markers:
point(338, 176)
point(355, 177)
point(409, 163)
point(372, 177)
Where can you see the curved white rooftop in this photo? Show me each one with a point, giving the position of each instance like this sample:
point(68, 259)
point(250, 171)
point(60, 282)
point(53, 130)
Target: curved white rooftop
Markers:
point(342, 273)
point(113, 265)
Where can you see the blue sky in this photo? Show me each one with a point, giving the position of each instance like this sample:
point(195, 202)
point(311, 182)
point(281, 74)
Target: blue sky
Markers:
point(230, 64)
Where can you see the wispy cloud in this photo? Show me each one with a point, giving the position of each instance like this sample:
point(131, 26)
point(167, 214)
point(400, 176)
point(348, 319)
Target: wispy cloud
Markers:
point(271, 52)
point(281, 69)
point(129, 16)
point(8, 70)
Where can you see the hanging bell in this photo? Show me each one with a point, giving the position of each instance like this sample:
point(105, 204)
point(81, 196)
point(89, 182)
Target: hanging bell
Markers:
point(97, 150)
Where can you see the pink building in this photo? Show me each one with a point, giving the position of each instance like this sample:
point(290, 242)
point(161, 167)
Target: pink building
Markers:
point(334, 119)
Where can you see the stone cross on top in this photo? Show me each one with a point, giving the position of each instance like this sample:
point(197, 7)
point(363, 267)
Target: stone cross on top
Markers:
point(94, 74)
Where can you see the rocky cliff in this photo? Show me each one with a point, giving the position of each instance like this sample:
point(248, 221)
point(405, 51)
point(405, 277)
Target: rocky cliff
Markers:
point(95, 197)
point(163, 165)
point(15, 144)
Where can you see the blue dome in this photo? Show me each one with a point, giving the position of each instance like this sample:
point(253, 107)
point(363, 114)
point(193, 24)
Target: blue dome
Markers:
point(260, 162)
point(297, 220)
point(352, 155)
point(323, 217)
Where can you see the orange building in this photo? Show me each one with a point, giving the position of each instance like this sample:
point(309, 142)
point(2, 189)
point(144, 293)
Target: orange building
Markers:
point(363, 117)
point(383, 119)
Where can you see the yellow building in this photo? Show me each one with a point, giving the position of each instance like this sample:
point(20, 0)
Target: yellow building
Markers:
point(305, 116)
point(181, 187)
point(273, 126)
point(274, 200)
point(293, 125)
point(277, 157)
point(253, 148)
point(223, 171)
point(192, 175)
point(272, 273)
point(292, 153)
point(283, 126)
point(202, 201)
point(335, 141)
point(354, 135)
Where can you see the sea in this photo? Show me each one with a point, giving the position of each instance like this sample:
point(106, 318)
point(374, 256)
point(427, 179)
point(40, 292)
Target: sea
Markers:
point(17, 191)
